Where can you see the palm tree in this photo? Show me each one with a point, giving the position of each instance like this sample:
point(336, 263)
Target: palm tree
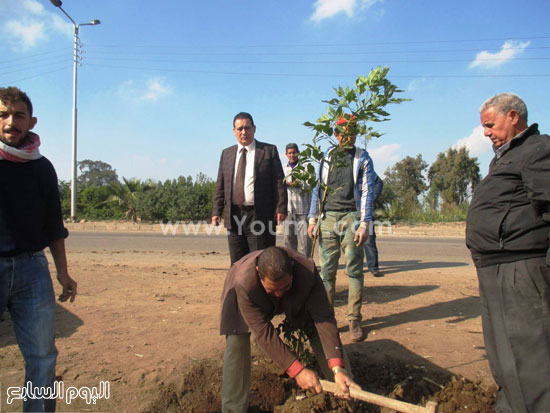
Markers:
point(126, 194)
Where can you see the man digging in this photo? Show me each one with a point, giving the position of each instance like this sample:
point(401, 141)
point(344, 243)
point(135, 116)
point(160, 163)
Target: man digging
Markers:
point(257, 287)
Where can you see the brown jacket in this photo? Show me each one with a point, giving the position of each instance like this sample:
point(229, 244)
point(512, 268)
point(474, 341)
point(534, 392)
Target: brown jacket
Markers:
point(270, 195)
point(246, 307)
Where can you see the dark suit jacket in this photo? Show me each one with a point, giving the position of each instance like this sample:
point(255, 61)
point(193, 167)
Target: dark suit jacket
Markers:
point(269, 191)
point(246, 307)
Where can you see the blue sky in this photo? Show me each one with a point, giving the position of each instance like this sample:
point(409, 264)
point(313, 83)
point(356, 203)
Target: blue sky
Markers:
point(161, 81)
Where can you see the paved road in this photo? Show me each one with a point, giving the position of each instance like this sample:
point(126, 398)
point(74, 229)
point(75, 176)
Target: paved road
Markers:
point(392, 248)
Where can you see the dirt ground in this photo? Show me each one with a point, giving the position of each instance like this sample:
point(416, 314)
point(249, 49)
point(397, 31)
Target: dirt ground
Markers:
point(146, 320)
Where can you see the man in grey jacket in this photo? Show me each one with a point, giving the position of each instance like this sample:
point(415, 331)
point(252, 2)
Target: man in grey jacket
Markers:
point(507, 231)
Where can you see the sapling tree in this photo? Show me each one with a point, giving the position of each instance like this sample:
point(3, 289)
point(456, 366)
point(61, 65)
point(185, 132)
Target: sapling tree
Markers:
point(360, 106)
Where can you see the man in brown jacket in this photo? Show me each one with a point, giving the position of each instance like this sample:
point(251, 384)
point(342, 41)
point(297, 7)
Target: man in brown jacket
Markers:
point(262, 284)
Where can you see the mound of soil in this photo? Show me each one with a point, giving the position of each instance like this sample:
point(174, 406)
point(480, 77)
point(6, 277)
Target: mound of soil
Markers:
point(272, 392)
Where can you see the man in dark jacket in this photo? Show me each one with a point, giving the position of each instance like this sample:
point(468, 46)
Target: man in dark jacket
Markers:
point(30, 220)
point(507, 231)
point(250, 193)
point(259, 286)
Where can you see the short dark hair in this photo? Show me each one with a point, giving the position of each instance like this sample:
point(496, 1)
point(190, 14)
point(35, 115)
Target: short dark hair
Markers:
point(12, 94)
point(274, 263)
point(292, 146)
point(243, 115)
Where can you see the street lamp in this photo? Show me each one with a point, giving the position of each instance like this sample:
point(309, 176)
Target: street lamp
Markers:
point(76, 57)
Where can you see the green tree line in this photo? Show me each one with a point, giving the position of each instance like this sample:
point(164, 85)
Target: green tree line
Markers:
point(413, 192)
point(102, 196)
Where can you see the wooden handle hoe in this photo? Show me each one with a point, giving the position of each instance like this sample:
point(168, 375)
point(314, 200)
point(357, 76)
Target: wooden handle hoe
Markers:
point(380, 400)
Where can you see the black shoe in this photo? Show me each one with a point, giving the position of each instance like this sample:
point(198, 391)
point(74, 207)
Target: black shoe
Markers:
point(376, 272)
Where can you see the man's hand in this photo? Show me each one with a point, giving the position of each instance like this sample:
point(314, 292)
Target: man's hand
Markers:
point(307, 379)
point(216, 221)
point(361, 236)
point(57, 248)
point(311, 230)
point(280, 218)
point(344, 383)
point(69, 287)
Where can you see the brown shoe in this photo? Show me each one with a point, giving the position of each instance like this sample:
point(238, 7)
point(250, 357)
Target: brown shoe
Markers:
point(355, 331)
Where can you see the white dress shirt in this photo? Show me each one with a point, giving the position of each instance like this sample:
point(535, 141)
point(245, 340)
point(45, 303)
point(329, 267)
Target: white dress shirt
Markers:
point(249, 177)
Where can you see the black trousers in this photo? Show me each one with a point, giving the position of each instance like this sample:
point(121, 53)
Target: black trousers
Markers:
point(515, 312)
point(248, 234)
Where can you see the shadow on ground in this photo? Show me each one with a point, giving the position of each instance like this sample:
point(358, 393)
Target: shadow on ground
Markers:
point(390, 267)
point(66, 324)
point(458, 310)
point(384, 294)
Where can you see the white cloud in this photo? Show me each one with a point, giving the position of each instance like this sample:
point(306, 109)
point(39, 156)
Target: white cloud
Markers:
point(509, 50)
point(476, 143)
point(31, 23)
point(61, 25)
point(151, 89)
point(329, 8)
point(385, 153)
point(384, 156)
point(33, 6)
point(156, 88)
point(29, 33)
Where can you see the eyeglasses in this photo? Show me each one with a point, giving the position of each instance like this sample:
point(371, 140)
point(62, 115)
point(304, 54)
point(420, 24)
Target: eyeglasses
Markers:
point(246, 128)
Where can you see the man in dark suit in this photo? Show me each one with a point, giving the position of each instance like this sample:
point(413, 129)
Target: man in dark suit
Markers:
point(249, 191)
point(265, 283)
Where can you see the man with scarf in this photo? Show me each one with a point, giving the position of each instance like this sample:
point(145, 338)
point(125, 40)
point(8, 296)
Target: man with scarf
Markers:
point(30, 220)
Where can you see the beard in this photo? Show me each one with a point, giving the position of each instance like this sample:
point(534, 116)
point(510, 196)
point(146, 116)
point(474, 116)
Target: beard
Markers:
point(17, 144)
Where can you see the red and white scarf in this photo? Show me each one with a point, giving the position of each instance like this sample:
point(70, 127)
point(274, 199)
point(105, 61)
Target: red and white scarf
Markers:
point(26, 152)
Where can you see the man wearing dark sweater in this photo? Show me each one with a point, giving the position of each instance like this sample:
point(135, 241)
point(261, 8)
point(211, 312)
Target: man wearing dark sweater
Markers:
point(30, 220)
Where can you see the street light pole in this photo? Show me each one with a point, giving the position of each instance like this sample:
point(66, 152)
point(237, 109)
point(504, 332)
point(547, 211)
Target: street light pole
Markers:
point(76, 59)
